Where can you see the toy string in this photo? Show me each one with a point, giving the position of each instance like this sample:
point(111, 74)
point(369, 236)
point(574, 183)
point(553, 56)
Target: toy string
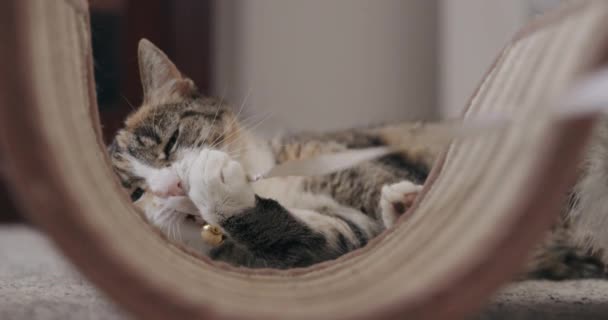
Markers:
point(588, 97)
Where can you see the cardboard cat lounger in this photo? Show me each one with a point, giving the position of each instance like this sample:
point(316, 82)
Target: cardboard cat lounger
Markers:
point(485, 205)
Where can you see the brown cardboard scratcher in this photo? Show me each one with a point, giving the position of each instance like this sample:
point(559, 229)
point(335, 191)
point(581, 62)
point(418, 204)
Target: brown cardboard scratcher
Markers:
point(486, 203)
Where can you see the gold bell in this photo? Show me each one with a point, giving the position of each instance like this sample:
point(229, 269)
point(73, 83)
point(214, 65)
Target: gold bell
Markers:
point(212, 235)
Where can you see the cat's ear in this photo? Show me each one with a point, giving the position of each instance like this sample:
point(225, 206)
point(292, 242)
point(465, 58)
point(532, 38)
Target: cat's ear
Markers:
point(162, 82)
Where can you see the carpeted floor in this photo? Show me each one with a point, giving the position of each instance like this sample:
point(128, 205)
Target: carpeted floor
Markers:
point(37, 283)
point(547, 300)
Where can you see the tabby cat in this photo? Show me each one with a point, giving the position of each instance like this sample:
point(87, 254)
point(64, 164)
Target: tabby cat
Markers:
point(186, 160)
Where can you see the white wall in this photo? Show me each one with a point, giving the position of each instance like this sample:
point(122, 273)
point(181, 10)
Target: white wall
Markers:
point(472, 33)
point(322, 64)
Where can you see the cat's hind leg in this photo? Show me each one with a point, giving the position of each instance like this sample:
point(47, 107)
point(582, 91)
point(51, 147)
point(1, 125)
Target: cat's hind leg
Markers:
point(396, 199)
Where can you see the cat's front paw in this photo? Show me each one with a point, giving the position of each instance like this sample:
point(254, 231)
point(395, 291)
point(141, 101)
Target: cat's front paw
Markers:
point(218, 186)
point(396, 199)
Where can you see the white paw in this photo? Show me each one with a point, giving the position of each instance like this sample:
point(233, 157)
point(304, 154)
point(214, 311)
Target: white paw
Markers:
point(218, 186)
point(396, 199)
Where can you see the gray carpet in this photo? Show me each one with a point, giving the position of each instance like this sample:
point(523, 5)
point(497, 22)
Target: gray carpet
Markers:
point(551, 301)
point(37, 283)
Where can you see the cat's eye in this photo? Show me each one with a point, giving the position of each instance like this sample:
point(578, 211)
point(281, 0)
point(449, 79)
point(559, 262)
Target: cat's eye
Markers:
point(171, 143)
point(137, 194)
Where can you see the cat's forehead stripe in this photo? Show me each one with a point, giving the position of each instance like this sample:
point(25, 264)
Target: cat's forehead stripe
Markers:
point(148, 132)
point(138, 116)
point(121, 141)
point(211, 114)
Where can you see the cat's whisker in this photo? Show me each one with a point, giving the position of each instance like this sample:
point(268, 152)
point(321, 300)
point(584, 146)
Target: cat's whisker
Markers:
point(171, 229)
point(170, 220)
point(235, 152)
point(217, 140)
point(238, 152)
point(255, 123)
point(222, 137)
point(219, 107)
point(268, 116)
point(241, 108)
point(179, 228)
point(225, 131)
point(245, 126)
point(128, 102)
point(169, 232)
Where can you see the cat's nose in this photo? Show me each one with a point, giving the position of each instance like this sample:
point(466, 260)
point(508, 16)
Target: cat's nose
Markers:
point(171, 189)
point(166, 184)
point(175, 189)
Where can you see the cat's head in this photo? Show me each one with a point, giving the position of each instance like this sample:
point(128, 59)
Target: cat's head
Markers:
point(174, 119)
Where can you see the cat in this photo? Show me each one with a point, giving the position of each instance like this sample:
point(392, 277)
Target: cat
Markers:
point(587, 205)
point(186, 160)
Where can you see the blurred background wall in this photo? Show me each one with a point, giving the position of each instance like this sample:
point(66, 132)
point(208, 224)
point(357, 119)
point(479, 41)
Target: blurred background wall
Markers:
point(472, 33)
point(310, 64)
point(319, 65)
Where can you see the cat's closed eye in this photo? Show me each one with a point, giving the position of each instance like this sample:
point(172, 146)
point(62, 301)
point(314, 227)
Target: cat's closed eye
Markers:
point(137, 193)
point(171, 143)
